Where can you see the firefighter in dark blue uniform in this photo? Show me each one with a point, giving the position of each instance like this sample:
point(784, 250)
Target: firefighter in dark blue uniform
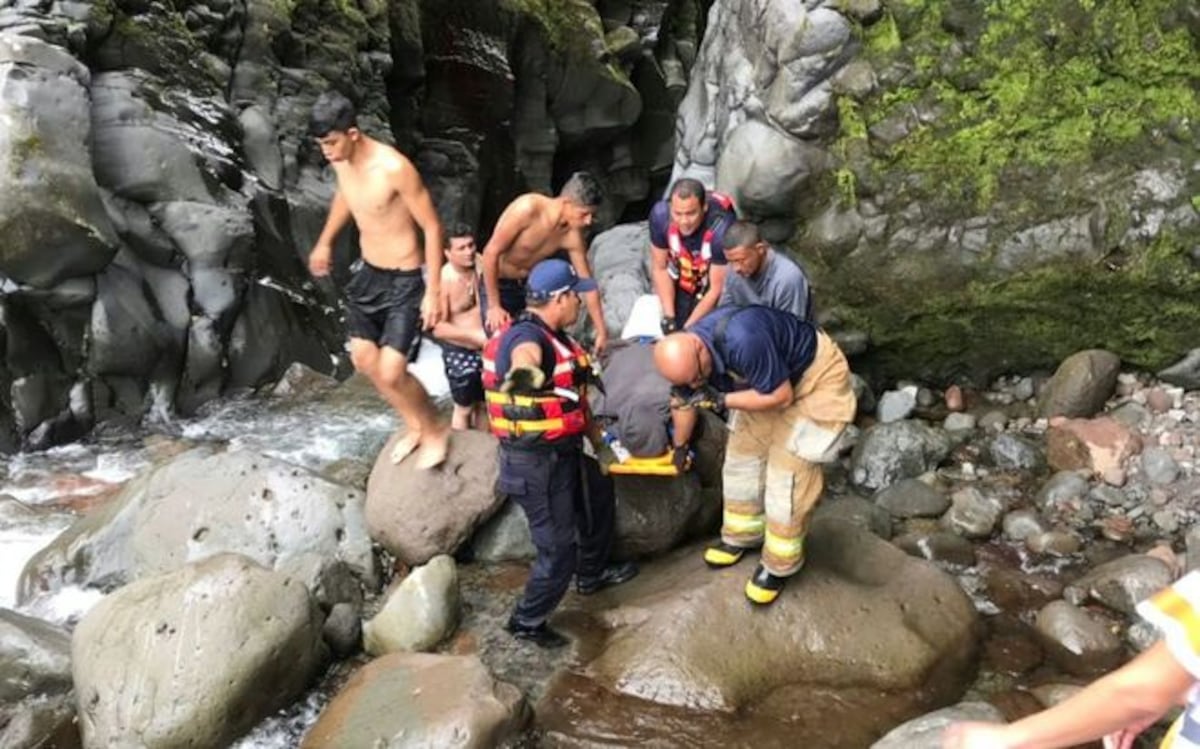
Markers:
point(536, 378)
point(687, 258)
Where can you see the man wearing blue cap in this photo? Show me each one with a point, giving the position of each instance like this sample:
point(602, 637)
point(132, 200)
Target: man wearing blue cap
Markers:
point(536, 378)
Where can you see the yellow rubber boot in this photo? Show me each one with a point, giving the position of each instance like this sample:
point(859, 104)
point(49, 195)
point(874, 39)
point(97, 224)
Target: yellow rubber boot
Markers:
point(763, 588)
point(723, 555)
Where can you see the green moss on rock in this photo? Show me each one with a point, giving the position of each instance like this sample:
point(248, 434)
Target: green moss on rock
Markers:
point(1143, 309)
point(1040, 84)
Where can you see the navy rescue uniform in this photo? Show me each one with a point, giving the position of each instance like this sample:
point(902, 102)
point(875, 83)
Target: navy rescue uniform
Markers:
point(569, 505)
point(690, 258)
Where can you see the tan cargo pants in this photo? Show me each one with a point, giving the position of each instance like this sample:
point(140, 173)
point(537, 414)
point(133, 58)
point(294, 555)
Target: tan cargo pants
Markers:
point(772, 473)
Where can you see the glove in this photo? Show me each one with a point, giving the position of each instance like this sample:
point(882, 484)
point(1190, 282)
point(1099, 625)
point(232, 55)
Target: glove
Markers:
point(703, 397)
point(682, 457)
point(668, 325)
point(523, 380)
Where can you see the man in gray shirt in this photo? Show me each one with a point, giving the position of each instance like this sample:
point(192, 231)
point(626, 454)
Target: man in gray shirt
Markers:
point(762, 274)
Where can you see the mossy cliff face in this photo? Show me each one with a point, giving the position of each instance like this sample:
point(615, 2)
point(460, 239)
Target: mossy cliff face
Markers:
point(1017, 183)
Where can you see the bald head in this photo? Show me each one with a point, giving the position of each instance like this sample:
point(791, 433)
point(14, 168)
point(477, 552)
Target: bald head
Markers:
point(681, 357)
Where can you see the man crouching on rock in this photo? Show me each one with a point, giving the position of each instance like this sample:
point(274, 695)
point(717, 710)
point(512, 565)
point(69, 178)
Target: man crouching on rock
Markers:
point(787, 387)
point(388, 301)
point(535, 377)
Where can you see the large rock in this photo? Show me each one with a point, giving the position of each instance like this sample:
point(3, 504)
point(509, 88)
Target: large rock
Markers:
point(505, 537)
point(759, 100)
point(51, 216)
point(407, 700)
point(204, 503)
point(194, 657)
point(419, 613)
point(862, 639)
point(142, 154)
point(898, 450)
point(655, 513)
point(1079, 643)
point(35, 657)
point(1122, 583)
point(1081, 385)
point(1101, 445)
point(417, 514)
point(36, 708)
point(619, 258)
point(926, 731)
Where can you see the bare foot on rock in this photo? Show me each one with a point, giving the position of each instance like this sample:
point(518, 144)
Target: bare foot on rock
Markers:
point(433, 450)
point(405, 445)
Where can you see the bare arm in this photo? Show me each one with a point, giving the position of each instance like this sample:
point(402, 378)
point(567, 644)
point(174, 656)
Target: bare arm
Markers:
point(508, 227)
point(321, 254)
point(752, 400)
point(1136, 693)
point(577, 251)
point(708, 302)
point(683, 423)
point(412, 191)
point(528, 354)
point(664, 286)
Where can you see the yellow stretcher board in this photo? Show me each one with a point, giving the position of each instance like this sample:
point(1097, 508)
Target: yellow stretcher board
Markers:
point(661, 465)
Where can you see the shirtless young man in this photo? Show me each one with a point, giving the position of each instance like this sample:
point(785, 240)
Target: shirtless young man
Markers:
point(533, 228)
point(388, 303)
point(461, 330)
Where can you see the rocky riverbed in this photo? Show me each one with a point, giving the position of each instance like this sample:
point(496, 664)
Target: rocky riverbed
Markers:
point(1045, 529)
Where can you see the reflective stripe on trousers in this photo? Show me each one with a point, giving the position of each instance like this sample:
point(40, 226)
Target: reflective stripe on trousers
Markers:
point(770, 491)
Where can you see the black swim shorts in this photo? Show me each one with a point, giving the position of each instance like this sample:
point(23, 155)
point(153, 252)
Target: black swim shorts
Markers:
point(464, 372)
point(512, 297)
point(384, 306)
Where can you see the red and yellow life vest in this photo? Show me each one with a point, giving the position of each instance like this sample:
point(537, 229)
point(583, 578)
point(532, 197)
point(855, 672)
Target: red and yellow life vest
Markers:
point(557, 412)
point(690, 270)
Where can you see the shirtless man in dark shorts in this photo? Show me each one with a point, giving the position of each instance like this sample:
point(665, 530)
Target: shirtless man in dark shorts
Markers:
point(461, 331)
point(388, 302)
point(533, 228)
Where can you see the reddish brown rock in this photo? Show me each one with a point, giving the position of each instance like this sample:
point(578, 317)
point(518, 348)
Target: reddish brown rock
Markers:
point(1101, 445)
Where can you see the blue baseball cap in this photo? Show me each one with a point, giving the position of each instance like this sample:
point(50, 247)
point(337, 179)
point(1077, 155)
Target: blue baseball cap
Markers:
point(554, 276)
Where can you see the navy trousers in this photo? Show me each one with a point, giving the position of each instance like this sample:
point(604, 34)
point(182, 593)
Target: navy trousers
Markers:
point(685, 303)
point(570, 507)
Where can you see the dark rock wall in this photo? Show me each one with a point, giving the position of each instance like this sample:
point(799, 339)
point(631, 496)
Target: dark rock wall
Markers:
point(159, 151)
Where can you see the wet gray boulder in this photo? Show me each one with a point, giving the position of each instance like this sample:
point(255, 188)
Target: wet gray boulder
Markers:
point(926, 731)
point(1077, 642)
point(619, 259)
point(194, 657)
point(420, 612)
point(417, 514)
point(448, 700)
point(889, 452)
point(504, 537)
point(1185, 373)
point(1010, 452)
point(862, 638)
point(759, 100)
point(203, 503)
point(911, 498)
point(36, 705)
point(1081, 384)
point(1122, 583)
point(52, 217)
